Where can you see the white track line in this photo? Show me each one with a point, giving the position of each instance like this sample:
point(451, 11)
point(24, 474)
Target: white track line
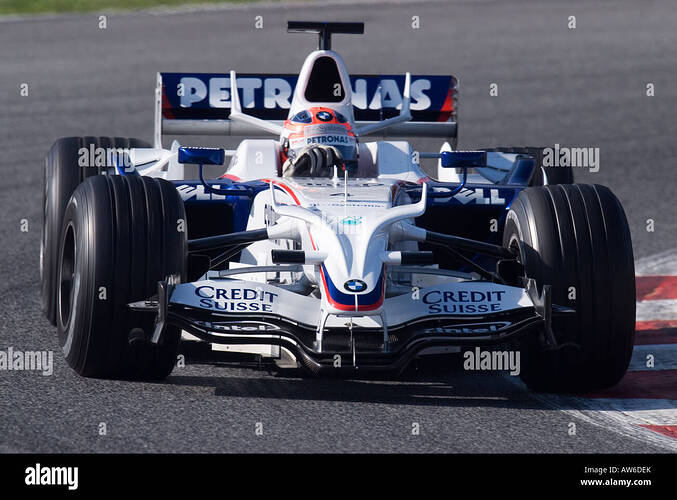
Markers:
point(623, 423)
point(662, 264)
point(656, 310)
point(641, 412)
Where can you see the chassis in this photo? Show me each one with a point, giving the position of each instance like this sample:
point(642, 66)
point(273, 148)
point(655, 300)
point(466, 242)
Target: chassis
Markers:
point(332, 273)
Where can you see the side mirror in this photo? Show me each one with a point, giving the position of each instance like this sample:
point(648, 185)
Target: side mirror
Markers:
point(202, 156)
point(463, 159)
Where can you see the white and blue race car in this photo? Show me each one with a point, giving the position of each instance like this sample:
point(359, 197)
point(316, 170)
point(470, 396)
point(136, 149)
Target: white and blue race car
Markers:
point(323, 249)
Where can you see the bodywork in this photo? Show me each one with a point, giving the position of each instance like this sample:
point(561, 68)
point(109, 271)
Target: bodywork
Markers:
point(311, 270)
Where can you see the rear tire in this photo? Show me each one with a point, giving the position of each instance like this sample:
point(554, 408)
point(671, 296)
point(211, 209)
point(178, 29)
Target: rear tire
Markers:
point(62, 176)
point(120, 237)
point(576, 238)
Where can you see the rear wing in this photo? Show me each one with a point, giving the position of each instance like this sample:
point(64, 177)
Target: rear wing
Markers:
point(199, 103)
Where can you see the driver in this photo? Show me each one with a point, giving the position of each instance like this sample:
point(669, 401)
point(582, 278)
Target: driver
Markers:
point(317, 140)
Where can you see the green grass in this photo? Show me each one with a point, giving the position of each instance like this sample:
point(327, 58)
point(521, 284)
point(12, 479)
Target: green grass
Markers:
point(53, 6)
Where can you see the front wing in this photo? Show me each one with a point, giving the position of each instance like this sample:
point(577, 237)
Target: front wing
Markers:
point(466, 313)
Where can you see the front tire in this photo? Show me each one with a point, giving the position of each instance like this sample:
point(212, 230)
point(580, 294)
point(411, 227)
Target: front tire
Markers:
point(121, 235)
point(62, 175)
point(576, 238)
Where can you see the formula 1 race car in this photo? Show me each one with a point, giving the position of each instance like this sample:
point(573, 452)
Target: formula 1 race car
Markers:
point(322, 250)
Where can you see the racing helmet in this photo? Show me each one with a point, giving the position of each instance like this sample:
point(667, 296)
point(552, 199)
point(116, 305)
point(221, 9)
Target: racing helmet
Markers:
point(324, 127)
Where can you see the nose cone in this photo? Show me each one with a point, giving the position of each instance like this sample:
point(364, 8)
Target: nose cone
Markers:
point(360, 295)
point(344, 220)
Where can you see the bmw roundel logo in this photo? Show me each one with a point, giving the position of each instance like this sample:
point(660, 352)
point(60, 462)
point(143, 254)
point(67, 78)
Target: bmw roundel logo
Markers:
point(355, 286)
point(324, 116)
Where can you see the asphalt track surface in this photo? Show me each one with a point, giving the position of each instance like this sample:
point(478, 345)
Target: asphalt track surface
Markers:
point(582, 87)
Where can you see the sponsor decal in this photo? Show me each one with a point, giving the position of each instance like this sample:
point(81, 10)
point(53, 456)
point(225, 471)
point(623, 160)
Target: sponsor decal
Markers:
point(463, 301)
point(207, 96)
point(324, 128)
point(477, 196)
point(323, 116)
point(343, 225)
point(331, 184)
point(355, 204)
point(197, 192)
point(235, 299)
point(351, 220)
point(245, 326)
point(469, 329)
point(329, 140)
point(355, 286)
